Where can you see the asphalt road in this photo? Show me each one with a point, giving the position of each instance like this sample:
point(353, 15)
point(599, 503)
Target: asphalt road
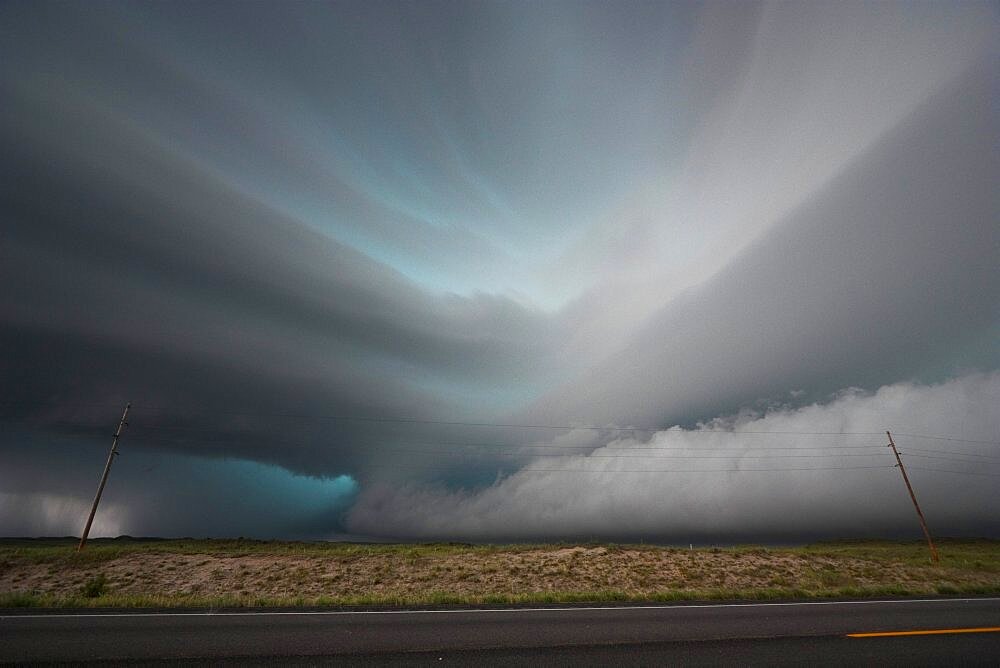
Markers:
point(685, 634)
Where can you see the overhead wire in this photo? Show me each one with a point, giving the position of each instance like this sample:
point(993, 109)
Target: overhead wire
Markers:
point(589, 456)
point(461, 423)
point(950, 459)
point(522, 450)
point(508, 425)
point(645, 470)
point(947, 438)
point(528, 451)
point(976, 473)
point(953, 452)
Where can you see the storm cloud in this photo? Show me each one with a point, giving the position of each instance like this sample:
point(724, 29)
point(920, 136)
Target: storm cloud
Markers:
point(823, 470)
point(336, 253)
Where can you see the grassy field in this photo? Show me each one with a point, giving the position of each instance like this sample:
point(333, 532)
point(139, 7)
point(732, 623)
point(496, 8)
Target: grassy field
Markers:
point(222, 573)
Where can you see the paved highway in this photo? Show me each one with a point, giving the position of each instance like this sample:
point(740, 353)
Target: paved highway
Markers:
point(690, 634)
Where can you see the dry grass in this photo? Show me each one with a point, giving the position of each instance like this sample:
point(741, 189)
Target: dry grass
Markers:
point(281, 573)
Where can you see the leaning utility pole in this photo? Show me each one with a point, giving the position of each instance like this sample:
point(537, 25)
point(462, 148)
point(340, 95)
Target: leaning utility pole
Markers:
point(104, 478)
point(923, 523)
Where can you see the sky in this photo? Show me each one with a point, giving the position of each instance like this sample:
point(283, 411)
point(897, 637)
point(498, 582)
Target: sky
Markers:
point(500, 271)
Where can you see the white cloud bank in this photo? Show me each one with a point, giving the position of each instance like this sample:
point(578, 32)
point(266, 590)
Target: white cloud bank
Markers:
point(660, 491)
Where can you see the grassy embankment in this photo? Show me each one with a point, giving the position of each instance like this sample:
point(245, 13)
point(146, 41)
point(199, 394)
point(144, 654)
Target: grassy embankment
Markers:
point(217, 573)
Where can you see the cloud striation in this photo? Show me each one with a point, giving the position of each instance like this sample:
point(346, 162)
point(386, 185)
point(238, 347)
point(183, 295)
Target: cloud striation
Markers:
point(322, 248)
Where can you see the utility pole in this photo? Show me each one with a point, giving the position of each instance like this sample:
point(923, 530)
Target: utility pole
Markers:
point(913, 497)
point(104, 478)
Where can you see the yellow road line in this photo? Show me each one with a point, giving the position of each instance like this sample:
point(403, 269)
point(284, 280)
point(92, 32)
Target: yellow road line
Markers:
point(929, 632)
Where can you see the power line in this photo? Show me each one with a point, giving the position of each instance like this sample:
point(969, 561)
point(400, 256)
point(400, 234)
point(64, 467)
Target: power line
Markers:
point(732, 453)
point(955, 452)
point(460, 423)
point(556, 446)
point(952, 459)
point(946, 438)
point(565, 427)
point(568, 470)
point(976, 473)
point(173, 434)
point(59, 403)
point(721, 453)
point(849, 450)
point(576, 450)
point(683, 432)
point(506, 425)
point(218, 431)
point(728, 457)
point(410, 420)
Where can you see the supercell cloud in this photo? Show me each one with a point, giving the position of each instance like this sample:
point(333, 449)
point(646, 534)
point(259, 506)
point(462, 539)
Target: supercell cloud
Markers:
point(328, 250)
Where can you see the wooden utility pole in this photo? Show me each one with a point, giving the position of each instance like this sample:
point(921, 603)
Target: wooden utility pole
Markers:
point(104, 478)
point(913, 497)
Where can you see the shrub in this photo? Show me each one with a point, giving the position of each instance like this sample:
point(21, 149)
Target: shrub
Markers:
point(95, 586)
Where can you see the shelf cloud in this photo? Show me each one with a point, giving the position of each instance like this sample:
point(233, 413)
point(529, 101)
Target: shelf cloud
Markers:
point(819, 471)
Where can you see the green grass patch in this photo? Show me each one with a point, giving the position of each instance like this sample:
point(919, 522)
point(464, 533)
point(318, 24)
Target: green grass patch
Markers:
point(444, 598)
point(833, 569)
point(98, 550)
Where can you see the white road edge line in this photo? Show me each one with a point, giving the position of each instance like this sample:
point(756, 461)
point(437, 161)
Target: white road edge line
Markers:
point(447, 611)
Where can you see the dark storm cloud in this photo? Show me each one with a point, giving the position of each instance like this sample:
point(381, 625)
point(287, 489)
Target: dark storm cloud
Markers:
point(165, 237)
point(180, 495)
point(227, 92)
point(277, 228)
point(131, 262)
point(133, 273)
